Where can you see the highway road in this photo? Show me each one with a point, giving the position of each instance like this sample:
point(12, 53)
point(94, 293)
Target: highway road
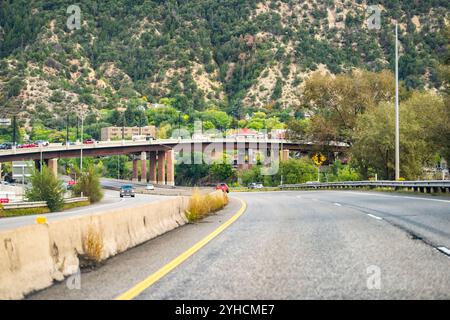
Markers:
point(292, 245)
point(111, 200)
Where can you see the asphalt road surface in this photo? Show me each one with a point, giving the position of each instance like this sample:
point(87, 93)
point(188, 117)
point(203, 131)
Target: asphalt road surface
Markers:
point(293, 245)
point(111, 200)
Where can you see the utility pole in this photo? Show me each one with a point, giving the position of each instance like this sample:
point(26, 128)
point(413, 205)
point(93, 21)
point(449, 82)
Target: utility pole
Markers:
point(78, 126)
point(14, 131)
point(123, 126)
point(81, 114)
point(118, 167)
point(67, 130)
point(82, 143)
point(397, 111)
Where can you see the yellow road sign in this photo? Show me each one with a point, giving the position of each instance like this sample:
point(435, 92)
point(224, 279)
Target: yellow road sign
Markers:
point(319, 159)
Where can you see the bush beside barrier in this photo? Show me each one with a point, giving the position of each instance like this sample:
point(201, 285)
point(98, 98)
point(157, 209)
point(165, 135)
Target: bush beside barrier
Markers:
point(200, 205)
point(22, 211)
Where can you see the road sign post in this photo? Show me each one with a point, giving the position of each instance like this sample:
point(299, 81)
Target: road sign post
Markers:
point(318, 160)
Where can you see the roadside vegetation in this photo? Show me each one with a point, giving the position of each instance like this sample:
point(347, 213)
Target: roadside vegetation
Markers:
point(93, 247)
point(201, 205)
point(88, 185)
point(22, 211)
point(46, 187)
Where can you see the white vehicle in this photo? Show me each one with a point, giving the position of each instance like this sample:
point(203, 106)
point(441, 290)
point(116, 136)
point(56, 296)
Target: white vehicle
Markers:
point(149, 187)
point(142, 138)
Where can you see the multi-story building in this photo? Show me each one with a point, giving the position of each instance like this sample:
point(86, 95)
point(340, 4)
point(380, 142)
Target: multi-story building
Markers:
point(115, 133)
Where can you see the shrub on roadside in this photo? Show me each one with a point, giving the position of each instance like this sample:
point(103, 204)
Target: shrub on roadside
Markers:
point(200, 205)
point(89, 185)
point(22, 212)
point(93, 245)
point(45, 186)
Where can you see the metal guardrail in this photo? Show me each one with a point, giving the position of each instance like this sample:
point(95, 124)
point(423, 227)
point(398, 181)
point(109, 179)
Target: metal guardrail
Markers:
point(24, 205)
point(73, 200)
point(38, 204)
point(421, 186)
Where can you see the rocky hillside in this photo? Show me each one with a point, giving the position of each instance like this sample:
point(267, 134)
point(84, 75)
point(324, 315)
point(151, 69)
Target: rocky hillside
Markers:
point(240, 55)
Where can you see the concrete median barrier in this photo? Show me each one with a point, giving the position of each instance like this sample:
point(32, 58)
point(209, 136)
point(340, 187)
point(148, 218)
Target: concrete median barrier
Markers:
point(33, 257)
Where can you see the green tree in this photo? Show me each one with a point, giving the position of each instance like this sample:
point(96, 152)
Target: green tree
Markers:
point(422, 119)
point(337, 101)
point(88, 184)
point(221, 172)
point(46, 187)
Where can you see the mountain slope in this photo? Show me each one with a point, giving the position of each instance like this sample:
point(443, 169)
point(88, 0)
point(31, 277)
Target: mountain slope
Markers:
point(239, 55)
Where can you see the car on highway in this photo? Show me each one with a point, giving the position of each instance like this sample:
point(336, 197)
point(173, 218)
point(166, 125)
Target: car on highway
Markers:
point(71, 184)
point(6, 146)
point(149, 187)
point(89, 141)
point(27, 145)
point(127, 191)
point(42, 143)
point(223, 187)
point(255, 185)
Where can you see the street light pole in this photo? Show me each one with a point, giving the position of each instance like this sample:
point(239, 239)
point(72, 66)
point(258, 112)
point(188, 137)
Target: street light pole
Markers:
point(14, 132)
point(82, 144)
point(397, 111)
point(67, 130)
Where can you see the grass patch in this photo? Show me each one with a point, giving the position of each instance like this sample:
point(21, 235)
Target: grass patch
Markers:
point(200, 205)
point(72, 205)
point(22, 212)
point(93, 246)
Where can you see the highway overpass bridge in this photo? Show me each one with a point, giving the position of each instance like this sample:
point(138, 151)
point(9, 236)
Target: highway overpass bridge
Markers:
point(158, 156)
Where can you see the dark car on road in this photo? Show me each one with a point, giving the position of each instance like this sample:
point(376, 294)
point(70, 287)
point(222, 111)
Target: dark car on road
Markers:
point(223, 187)
point(127, 190)
point(6, 146)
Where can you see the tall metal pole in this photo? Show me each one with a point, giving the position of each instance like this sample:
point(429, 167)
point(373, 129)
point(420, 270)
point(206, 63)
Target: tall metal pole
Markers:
point(397, 111)
point(82, 143)
point(118, 167)
point(67, 130)
point(14, 132)
point(123, 126)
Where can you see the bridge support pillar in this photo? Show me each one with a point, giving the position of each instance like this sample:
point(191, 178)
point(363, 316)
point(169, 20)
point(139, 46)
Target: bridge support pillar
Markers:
point(285, 155)
point(170, 156)
point(53, 166)
point(161, 167)
point(144, 166)
point(152, 164)
point(135, 169)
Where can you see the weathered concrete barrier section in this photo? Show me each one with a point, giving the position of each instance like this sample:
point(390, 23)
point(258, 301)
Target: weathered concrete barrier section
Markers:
point(33, 257)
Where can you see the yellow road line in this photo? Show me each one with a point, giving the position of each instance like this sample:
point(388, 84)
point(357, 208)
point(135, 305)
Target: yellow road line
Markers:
point(143, 285)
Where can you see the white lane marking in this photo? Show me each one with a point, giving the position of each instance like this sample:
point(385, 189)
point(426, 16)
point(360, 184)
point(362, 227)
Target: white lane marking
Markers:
point(375, 217)
point(314, 199)
point(444, 250)
point(405, 197)
point(337, 204)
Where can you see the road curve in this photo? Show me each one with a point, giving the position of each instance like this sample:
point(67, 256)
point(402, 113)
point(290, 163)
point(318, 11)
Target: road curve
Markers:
point(294, 245)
